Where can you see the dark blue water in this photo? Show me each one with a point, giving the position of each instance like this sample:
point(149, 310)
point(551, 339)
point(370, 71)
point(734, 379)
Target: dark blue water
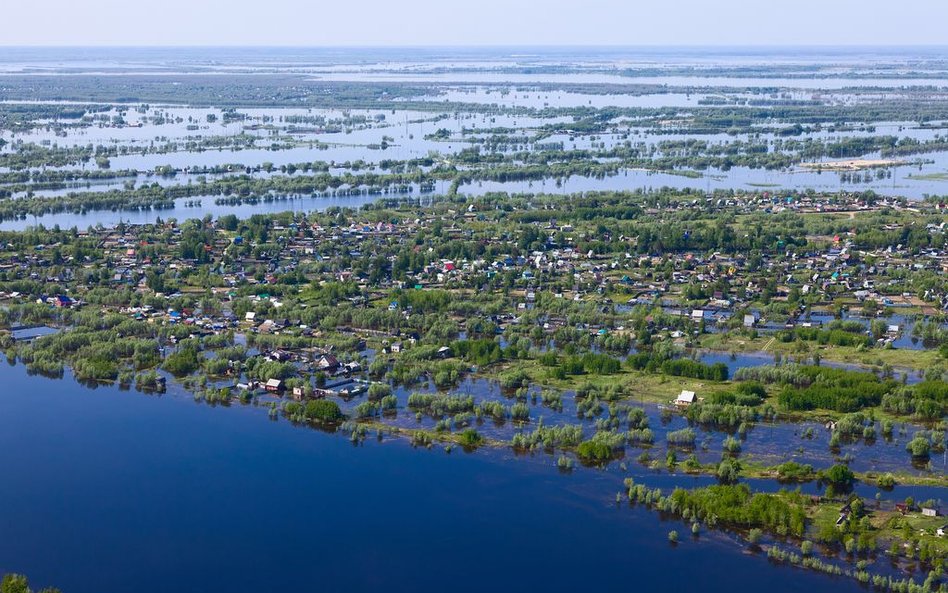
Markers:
point(109, 491)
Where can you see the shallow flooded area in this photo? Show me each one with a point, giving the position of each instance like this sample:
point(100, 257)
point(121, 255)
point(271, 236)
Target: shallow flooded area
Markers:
point(411, 319)
point(298, 506)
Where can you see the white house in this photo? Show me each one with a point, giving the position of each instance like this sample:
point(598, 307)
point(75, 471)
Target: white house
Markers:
point(685, 399)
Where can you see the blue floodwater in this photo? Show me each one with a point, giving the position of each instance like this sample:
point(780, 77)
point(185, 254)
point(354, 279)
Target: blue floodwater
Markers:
point(33, 332)
point(108, 491)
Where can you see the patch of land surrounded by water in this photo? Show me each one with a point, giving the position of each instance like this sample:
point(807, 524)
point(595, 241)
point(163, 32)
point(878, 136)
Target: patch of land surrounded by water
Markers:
point(326, 318)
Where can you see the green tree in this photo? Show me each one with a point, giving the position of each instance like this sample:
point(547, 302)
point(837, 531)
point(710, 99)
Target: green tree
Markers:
point(14, 583)
point(323, 410)
point(840, 476)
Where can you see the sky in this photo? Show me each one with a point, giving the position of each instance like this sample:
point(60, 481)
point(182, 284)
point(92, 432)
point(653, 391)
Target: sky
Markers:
point(480, 22)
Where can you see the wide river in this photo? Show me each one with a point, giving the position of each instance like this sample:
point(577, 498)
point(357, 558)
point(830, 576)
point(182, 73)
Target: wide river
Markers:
point(112, 491)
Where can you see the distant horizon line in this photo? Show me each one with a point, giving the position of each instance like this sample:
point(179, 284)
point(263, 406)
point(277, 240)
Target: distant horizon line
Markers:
point(483, 46)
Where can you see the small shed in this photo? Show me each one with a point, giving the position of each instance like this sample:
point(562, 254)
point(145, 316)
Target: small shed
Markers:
point(685, 399)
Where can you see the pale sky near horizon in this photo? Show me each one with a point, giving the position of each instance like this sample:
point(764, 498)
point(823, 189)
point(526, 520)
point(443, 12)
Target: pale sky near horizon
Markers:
point(484, 22)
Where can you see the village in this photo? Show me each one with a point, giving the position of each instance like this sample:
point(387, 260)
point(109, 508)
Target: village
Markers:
point(211, 279)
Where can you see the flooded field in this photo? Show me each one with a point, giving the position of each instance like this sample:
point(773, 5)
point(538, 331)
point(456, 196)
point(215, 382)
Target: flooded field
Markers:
point(351, 319)
point(143, 446)
point(473, 126)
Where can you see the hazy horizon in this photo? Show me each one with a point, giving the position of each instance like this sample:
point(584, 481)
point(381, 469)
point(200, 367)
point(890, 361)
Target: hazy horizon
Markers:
point(490, 23)
point(493, 46)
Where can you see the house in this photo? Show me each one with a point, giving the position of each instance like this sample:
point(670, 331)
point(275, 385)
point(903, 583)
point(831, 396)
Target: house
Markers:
point(327, 362)
point(274, 385)
point(929, 512)
point(444, 352)
point(750, 320)
point(685, 399)
point(396, 347)
point(279, 356)
point(62, 301)
point(250, 316)
point(941, 531)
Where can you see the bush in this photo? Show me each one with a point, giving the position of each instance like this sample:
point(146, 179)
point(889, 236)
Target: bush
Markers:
point(470, 438)
point(520, 411)
point(728, 471)
point(181, 363)
point(732, 445)
point(480, 352)
point(919, 447)
point(379, 390)
point(886, 481)
point(735, 398)
point(593, 450)
point(835, 389)
point(839, 476)
point(591, 363)
point(14, 583)
point(441, 405)
point(709, 414)
point(549, 359)
point(549, 437)
point(791, 471)
point(366, 409)
point(784, 375)
point(685, 436)
point(683, 367)
point(514, 379)
point(736, 506)
point(323, 410)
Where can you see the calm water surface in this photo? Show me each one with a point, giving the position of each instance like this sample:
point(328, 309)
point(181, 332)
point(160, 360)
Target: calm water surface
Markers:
point(106, 490)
